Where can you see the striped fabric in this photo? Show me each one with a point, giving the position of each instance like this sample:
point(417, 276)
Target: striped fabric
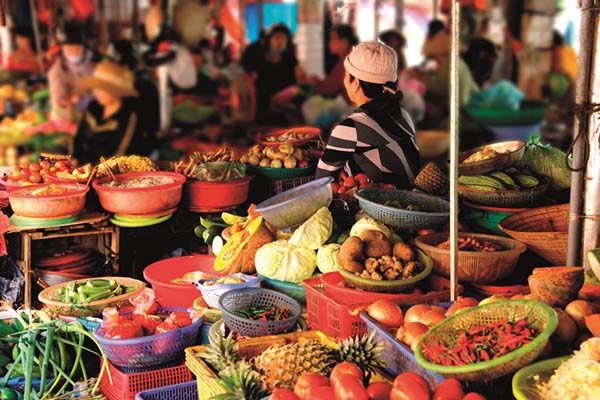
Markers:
point(377, 140)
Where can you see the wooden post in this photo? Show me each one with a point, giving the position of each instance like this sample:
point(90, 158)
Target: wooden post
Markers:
point(454, 145)
point(2, 14)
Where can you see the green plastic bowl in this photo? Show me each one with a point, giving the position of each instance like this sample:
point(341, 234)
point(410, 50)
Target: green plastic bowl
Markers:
point(487, 217)
point(525, 381)
point(395, 286)
point(531, 112)
point(281, 173)
point(294, 290)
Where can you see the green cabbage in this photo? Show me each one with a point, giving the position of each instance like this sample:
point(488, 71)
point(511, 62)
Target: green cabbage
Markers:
point(313, 233)
point(285, 262)
point(328, 258)
point(368, 223)
point(547, 161)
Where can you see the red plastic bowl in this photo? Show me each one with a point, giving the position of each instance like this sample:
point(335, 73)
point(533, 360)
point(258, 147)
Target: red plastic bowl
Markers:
point(335, 289)
point(54, 179)
point(216, 196)
point(140, 201)
point(161, 273)
point(12, 186)
point(48, 206)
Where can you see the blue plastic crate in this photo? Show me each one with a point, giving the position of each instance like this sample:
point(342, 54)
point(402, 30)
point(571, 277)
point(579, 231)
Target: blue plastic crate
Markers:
point(398, 357)
point(182, 391)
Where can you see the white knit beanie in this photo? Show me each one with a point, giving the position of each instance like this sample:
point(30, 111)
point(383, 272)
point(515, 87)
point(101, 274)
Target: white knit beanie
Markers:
point(373, 62)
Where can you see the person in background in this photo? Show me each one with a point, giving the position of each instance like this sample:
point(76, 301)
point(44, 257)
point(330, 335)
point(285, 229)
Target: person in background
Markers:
point(341, 40)
point(480, 57)
point(396, 41)
point(24, 58)
point(378, 138)
point(75, 62)
point(110, 125)
point(273, 69)
point(564, 58)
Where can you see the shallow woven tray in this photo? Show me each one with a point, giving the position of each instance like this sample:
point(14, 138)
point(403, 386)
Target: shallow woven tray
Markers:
point(504, 198)
point(544, 230)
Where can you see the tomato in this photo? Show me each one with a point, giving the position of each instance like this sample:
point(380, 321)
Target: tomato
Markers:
point(334, 187)
point(450, 389)
point(123, 330)
point(45, 164)
point(386, 312)
point(350, 182)
point(179, 318)
point(473, 396)
point(147, 322)
point(35, 177)
point(349, 387)
point(24, 173)
point(308, 381)
point(345, 368)
point(16, 174)
point(320, 393)
point(283, 394)
point(410, 386)
point(165, 327)
point(379, 391)
point(35, 167)
point(61, 165)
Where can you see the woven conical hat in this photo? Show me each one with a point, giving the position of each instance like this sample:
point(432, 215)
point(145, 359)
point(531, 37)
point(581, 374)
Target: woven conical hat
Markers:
point(191, 21)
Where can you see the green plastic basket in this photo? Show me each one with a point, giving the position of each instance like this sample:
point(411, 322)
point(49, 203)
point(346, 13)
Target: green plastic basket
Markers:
point(396, 286)
point(281, 173)
point(372, 201)
point(294, 290)
point(525, 382)
point(487, 217)
point(539, 315)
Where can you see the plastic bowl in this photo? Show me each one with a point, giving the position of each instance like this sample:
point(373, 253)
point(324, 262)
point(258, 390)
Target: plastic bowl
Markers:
point(168, 294)
point(294, 290)
point(51, 206)
point(212, 293)
point(313, 133)
point(531, 112)
point(395, 286)
point(216, 196)
point(432, 144)
point(140, 201)
point(517, 132)
point(12, 186)
point(510, 153)
point(473, 266)
point(526, 381)
point(54, 179)
point(296, 205)
point(487, 217)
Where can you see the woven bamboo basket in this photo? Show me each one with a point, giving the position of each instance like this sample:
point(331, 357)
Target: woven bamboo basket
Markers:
point(544, 230)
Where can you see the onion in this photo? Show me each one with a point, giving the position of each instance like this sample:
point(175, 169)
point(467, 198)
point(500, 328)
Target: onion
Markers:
point(438, 309)
point(578, 310)
point(415, 313)
point(454, 308)
point(566, 329)
point(432, 317)
point(386, 313)
point(409, 331)
point(468, 301)
point(416, 340)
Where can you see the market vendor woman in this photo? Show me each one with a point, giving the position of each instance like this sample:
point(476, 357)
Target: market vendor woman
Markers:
point(378, 138)
point(110, 125)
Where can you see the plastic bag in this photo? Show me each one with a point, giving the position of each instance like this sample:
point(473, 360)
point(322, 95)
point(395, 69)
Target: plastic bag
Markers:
point(547, 161)
point(323, 112)
point(11, 281)
point(502, 95)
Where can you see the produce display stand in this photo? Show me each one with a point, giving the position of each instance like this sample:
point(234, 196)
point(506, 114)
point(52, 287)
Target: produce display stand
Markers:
point(93, 227)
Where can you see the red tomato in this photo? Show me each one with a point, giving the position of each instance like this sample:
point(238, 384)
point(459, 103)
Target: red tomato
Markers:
point(320, 393)
point(349, 387)
point(61, 165)
point(379, 391)
point(308, 381)
point(283, 394)
point(180, 318)
point(342, 189)
point(124, 330)
point(165, 327)
point(24, 173)
point(45, 164)
point(334, 187)
point(450, 389)
point(410, 386)
point(345, 368)
point(35, 167)
point(386, 312)
point(350, 182)
point(147, 322)
point(473, 396)
point(35, 177)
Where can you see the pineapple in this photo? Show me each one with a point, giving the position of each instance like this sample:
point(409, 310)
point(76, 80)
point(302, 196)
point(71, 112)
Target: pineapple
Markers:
point(240, 382)
point(280, 366)
point(362, 351)
point(432, 179)
point(222, 355)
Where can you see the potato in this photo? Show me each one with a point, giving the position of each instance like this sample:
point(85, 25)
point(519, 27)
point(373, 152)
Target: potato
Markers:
point(265, 162)
point(353, 266)
point(351, 252)
point(289, 162)
point(404, 252)
point(278, 155)
point(276, 163)
point(244, 159)
point(286, 149)
point(253, 160)
point(375, 243)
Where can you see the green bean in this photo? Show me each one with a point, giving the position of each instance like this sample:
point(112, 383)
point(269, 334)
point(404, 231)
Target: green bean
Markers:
point(28, 347)
point(45, 360)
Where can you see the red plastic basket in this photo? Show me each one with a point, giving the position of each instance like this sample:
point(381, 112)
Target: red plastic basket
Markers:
point(126, 386)
point(343, 320)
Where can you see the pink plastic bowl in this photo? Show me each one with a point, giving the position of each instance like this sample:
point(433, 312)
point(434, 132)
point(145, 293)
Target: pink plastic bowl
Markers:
point(140, 201)
point(12, 186)
point(161, 273)
point(48, 206)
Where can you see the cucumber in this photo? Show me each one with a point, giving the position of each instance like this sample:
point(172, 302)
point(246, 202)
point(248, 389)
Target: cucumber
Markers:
point(594, 260)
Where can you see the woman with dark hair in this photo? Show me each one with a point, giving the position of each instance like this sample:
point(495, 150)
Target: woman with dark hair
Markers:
point(378, 138)
point(480, 57)
point(396, 41)
point(274, 68)
point(341, 40)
